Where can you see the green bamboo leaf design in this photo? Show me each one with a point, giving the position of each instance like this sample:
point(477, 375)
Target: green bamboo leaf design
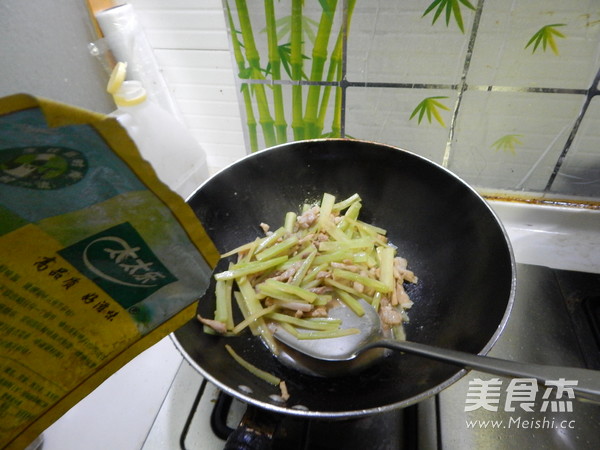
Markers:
point(284, 28)
point(545, 36)
point(507, 143)
point(430, 106)
point(452, 8)
point(285, 53)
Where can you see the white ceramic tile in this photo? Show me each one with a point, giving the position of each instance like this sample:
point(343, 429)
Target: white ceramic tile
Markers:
point(390, 41)
point(500, 57)
point(542, 122)
point(383, 115)
point(580, 172)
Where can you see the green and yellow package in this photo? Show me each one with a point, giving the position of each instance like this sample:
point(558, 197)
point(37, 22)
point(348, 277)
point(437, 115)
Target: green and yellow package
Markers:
point(98, 259)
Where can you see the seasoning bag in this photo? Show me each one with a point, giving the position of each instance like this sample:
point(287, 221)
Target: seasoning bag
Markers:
point(98, 259)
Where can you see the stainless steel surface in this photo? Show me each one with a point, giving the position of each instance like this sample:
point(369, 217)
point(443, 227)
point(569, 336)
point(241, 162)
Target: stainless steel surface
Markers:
point(539, 332)
point(370, 336)
point(546, 331)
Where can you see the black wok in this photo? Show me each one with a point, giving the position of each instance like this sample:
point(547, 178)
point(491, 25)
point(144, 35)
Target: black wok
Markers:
point(450, 236)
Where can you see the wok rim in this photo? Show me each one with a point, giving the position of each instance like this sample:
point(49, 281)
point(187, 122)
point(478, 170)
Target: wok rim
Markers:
point(276, 407)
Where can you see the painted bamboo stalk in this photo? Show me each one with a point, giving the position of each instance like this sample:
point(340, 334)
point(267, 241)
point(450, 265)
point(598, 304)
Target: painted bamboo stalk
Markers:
point(275, 63)
point(296, 65)
point(245, 89)
point(265, 119)
point(319, 58)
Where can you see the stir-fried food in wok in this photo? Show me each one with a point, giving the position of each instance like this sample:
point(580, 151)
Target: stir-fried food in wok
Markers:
point(294, 273)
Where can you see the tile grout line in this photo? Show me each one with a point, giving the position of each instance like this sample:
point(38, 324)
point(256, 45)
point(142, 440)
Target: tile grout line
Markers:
point(591, 93)
point(463, 83)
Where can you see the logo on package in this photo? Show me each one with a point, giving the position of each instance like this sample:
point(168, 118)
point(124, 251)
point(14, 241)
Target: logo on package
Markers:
point(42, 167)
point(120, 262)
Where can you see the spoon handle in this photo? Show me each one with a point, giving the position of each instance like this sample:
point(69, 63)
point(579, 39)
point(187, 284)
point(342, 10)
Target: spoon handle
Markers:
point(588, 381)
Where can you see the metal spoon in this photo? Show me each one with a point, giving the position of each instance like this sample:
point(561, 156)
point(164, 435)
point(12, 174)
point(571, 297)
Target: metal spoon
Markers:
point(371, 336)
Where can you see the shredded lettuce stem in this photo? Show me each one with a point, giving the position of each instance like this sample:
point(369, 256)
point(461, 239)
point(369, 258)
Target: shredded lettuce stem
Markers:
point(351, 302)
point(277, 249)
point(251, 268)
point(346, 203)
point(303, 323)
point(280, 286)
point(340, 332)
point(252, 318)
point(223, 311)
point(348, 289)
point(324, 254)
point(370, 282)
point(266, 376)
point(290, 221)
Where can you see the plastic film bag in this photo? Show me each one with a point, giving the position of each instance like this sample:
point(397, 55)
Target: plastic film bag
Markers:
point(98, 259)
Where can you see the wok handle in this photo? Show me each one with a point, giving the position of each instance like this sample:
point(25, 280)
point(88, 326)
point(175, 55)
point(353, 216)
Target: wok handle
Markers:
point(588, 381)
point(255, 431)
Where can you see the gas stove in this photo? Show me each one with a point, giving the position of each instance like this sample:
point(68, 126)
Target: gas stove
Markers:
point(555, 320)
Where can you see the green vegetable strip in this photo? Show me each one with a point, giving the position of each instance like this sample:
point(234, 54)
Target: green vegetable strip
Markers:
point(302, 271)
point(280, 286)
point(330, 320)
point(271, 239)
point(324, 259)
point(239, 298)
point(277, 249)
point(252, 318)
point(290, 329)
point(290, 221)
point(304, 335)
point(223, 312)
point(240, 249)
point(340, 206)
point(376, 301)
point(266, 376)
point(310, 284)
point(302, 323)
point(371, 229)
point(328, 334)
point(362, 258)
point(253, 306)
point(329, 227)
point(366, 281)
point(348, 221)
point(351, 302)
point(349, 289)
point(249, 268)
point(249, 295)
point(326, 208)
point(323, 300)
point(250, 253)
point(386, 266)
point(298, 257)
point(333, 246)
point(265, 291)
